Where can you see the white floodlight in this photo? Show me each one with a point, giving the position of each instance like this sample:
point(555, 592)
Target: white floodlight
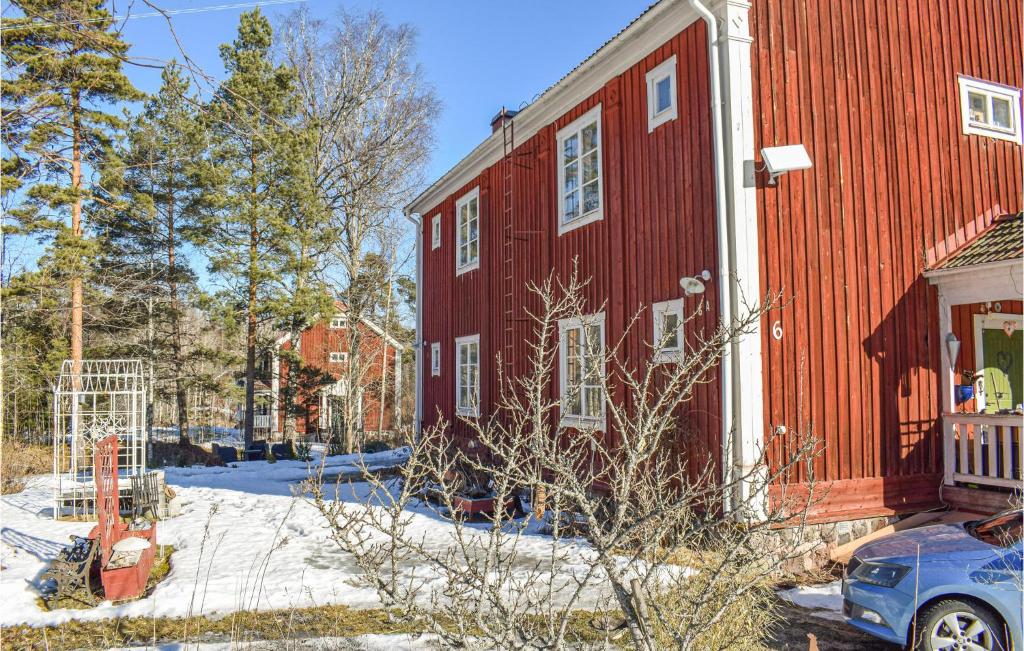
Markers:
point(779, 160)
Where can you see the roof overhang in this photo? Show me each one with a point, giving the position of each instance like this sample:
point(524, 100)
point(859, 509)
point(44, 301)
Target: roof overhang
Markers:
point(657, 25)
point(980, 283)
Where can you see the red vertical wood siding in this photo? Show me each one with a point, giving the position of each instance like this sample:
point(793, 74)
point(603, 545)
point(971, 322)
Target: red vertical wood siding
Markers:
point(870, 88)
point(658, 225)
point(317, 343)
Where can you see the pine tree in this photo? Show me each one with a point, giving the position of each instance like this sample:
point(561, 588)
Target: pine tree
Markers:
point(64, 65)
point(256, 155)
point(156, 203)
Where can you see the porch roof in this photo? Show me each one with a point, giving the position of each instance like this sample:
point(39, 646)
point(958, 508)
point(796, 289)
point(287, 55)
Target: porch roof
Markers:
point(1002, 240)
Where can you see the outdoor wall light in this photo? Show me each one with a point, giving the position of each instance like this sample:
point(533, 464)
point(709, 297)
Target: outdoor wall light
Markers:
point(953, 348)
point(788, 158)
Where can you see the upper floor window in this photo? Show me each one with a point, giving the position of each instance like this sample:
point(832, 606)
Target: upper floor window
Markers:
point(435, 358)
point(467, 376)
point(467, 232)
point(668, 331)
point(338, 357)
point(579, 172)
point(338, 321)
point(435, 232)
point(581, 370)
point(661, 93)
point(990, 109)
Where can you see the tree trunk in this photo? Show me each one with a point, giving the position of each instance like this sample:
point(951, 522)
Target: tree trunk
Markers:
point(76, 232)
point(180, 387)
point(250, 342)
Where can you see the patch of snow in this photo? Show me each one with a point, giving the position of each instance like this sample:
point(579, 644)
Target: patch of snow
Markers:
point(357, 643)
point(824, 600)
point(243, 541)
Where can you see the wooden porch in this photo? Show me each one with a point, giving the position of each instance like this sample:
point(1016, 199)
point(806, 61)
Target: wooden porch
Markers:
point(980, 326)
point(982, 461)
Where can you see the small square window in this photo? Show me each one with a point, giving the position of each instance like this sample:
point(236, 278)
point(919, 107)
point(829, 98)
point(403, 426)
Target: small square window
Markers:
point(989, 109)
point(338, 358)
point(661, 94)
point(435, 358)
point(668, 331)
point(435, 232)
point(338, 321)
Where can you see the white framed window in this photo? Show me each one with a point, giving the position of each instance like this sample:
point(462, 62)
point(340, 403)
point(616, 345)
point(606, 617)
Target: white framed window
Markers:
point(581, 371)
point(467, 232)
point(338, 321)
point(661, 94)
point(990, 109)
point(467, 375)
point(435, 358)
point(435, 232)
point(668, 331)
point(338, 358)
point(579, 172)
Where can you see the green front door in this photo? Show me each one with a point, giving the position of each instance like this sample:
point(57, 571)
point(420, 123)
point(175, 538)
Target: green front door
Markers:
point(1003, 366)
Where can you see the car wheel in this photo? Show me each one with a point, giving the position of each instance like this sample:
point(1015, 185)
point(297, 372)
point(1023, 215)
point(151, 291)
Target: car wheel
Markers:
point(954, 625)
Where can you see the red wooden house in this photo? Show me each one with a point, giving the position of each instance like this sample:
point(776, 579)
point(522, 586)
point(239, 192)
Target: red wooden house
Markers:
point(669, 153)
point(325, 350)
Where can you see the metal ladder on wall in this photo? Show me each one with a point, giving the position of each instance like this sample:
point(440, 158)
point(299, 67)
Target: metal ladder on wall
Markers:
point(508, 244)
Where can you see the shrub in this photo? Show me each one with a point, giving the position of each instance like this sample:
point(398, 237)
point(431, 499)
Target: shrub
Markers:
point(19, 460)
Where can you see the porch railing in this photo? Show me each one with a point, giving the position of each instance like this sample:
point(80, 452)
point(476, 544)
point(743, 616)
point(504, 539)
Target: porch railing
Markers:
point(983, 449)
point(261, 421)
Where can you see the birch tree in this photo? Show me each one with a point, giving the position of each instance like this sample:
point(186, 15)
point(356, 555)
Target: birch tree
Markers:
point(372, 115)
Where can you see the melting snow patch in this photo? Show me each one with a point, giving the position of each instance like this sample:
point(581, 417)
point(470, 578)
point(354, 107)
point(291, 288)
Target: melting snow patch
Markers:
point(824, 600)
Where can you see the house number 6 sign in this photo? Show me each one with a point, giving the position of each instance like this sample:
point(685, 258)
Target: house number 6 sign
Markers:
point(777, 330)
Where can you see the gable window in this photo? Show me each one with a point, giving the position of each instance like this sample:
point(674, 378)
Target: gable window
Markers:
point(581, 366)
point(579, 172)
point(435, 232)
point(435, 358)
point(338, 358)
point(989, 109)
point(467, 232)
point(467, 376)
point(338, 321)
point(661, 94)
point(668, 331)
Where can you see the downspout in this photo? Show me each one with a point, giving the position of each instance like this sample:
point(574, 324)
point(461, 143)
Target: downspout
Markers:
point(418, 344)
point(723, 236)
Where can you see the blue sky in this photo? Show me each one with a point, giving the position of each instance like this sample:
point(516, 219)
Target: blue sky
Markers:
point(478, 55)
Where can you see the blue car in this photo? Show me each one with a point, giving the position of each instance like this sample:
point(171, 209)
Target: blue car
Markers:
point(951, 586)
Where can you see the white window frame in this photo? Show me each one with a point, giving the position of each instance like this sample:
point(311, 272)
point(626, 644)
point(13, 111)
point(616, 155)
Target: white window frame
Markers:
point(435, 359)
point(666, 354)
point(578, 420)
point(990, 90)
point(460, 342)
point(337, 357)
point(576, 128)
point(435, 232)
point(665, 69)
point(990, 321)
point(338, 321)
point(473, 194)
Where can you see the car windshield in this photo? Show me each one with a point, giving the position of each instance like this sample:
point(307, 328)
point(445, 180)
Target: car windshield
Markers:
point(1003, 530)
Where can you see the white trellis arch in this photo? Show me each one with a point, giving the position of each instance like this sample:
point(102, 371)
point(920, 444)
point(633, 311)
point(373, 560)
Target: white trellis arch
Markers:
point(104, 397)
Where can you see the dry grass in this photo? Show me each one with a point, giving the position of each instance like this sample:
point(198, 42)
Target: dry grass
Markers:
point(19, 460)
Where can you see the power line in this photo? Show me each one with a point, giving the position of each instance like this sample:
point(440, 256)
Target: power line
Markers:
point(160, 14)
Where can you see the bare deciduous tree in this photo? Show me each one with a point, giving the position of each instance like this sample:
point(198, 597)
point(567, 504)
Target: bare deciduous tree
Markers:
point(643, 530)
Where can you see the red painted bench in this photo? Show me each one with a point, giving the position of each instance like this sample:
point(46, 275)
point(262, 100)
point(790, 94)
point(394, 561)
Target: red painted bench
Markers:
point(123, 573)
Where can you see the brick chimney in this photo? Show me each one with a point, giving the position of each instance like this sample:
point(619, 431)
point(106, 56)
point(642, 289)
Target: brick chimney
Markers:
point(503, 116)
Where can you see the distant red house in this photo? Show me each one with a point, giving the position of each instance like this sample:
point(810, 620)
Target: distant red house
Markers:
point(324, 348)
point(851, 155)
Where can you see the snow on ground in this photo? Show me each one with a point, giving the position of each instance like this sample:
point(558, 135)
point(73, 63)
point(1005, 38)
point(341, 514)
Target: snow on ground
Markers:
point(242, 541)
point(824, 600)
